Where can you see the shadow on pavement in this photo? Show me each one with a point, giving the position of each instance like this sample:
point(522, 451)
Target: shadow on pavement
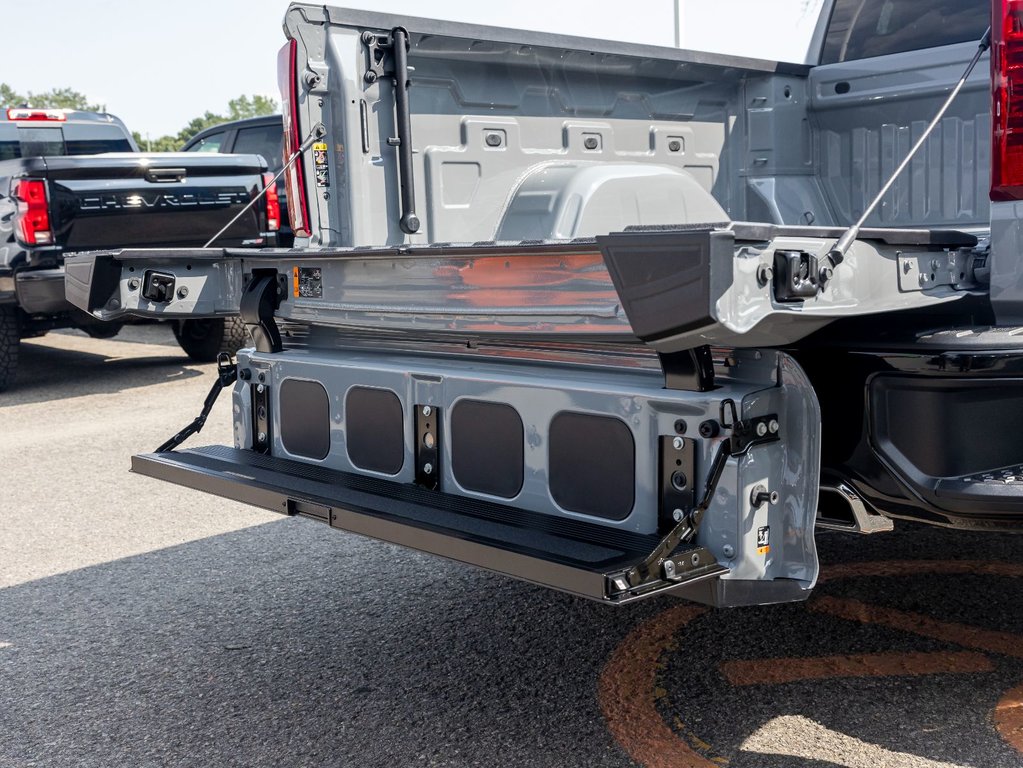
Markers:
point(288, 644)
point(48, 372)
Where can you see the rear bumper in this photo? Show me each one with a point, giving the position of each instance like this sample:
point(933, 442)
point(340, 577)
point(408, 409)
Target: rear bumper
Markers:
point(41, 291)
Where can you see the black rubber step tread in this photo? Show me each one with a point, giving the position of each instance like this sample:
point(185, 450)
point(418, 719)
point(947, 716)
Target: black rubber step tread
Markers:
point(579, 544)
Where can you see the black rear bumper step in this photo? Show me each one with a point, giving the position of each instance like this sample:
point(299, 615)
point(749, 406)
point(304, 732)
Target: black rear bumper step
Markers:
point(572, 556)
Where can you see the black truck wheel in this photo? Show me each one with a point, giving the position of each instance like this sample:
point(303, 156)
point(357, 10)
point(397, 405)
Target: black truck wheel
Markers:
point(9, 340)
point(203, 340)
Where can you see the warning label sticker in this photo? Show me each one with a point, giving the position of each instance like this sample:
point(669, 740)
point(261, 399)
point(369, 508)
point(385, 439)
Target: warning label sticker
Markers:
point(320, 163)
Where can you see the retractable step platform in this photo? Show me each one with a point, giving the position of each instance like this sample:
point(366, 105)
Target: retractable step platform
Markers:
point(568, 555)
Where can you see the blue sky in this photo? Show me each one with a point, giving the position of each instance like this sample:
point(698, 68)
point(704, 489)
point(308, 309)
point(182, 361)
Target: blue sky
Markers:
point(159, 63)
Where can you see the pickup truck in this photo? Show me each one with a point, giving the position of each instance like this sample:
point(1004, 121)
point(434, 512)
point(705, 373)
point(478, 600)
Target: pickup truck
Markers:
point(598, 315)
point(73, 180)
point(251, 136)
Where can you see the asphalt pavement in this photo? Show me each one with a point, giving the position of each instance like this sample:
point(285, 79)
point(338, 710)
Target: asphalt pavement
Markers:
point(146, 625)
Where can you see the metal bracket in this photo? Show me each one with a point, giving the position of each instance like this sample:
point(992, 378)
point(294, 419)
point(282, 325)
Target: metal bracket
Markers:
point(261, 418)
point(260, 300)
point(427, 442)
point(691, 370)
point(677, 480)
point(760, 429)
point(377, 47)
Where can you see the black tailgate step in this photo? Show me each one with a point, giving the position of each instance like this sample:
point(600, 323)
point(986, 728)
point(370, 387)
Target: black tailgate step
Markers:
point(572, 556)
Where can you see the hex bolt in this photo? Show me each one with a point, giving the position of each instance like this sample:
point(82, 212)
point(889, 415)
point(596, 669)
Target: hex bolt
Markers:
point(370, 77)
point(428, 469)
point(678, 443)
point(760, 496)
point(427, 410)
point(260, 388)
point(728, 550)
point(709, 429)
point(244, 374)
point(133, 284)
point(680, 427)
point(761, 430)
point(677, 515)
point(773, 426)
point(261, 437)
point(183, 292)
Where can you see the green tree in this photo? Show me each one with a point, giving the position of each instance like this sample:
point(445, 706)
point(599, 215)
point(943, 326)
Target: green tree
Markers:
point(55, 98)
point(160, 144)
point(256, 106)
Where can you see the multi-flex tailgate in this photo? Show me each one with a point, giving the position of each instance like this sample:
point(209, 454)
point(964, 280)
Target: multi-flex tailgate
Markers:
point(568, 555)
point(730, 285)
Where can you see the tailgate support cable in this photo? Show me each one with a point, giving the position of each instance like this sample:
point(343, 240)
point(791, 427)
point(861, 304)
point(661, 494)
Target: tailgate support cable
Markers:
point(318, 132)
point(227, 374)
point(837, 254)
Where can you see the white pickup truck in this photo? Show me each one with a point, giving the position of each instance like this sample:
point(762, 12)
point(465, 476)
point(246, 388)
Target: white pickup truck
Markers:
point(621, 320)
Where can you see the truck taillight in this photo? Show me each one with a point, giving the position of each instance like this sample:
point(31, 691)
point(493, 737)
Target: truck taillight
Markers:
point(273, 203)
point(32, 217)
point(22, 113)
point(294, 180)
point(1007, 101)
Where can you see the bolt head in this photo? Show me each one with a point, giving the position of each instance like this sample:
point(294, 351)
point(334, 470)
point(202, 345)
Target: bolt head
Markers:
point(677, 515)
point(427, 410)
point(370, 77)
point(428, 469)
point(261, 437)
point(761, 429)
point(774, 426)
point(728, 550)
point(826, 274)
point(183, 292)
point(695, 559)
point(678, 443)
point(260, 388)
point(133, 284)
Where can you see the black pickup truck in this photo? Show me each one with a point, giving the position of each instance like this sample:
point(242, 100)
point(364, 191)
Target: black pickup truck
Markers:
point(73, 181)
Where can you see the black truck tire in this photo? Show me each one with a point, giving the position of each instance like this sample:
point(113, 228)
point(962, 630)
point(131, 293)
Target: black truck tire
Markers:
point(203, 340)
point(9, 341)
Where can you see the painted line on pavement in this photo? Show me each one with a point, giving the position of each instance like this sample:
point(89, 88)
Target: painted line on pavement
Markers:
point(779, 671)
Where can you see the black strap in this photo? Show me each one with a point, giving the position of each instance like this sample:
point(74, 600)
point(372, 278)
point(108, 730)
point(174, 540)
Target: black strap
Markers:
point(227, 374)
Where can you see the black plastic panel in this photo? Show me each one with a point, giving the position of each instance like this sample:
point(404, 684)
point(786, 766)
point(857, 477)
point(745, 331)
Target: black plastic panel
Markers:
point(375, 430)
point(663, 278)
point(947, 428)
point(487, 448)
point(592, 465)
point(305, 418)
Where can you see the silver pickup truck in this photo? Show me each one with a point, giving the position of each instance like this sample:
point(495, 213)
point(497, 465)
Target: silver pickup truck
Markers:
point(575, 311)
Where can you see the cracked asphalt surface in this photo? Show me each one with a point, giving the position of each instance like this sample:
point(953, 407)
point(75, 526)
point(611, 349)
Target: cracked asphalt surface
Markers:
point(146, 625)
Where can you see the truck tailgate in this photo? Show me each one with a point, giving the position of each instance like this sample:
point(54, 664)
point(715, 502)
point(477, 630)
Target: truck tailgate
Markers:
point(170, 199)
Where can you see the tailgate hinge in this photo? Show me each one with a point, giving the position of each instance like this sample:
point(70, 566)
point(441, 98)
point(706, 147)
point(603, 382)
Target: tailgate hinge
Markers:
point(664, 564)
